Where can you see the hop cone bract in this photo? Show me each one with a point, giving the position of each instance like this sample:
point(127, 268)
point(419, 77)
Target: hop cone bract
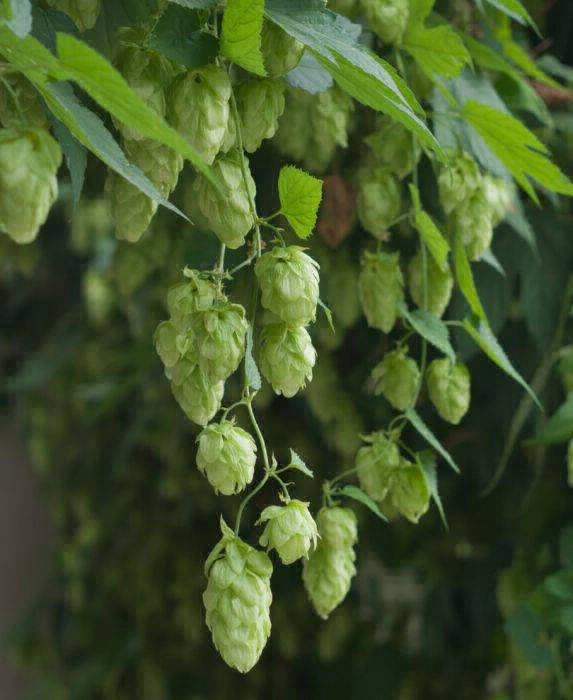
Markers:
point(227, 456)
point(290, 530)
point(376, 465)
point(440, 284)
point(287, 357)
point(380, 287)
point(20, 103)
point(449, 388)
point(281, 52)
point(473, 221)
point(378, 200)
point(397, 377)
point(410, 493)
point(395, 148)
point(260, 104)
point(198, 397)
point(458, 180)
point(387, 18)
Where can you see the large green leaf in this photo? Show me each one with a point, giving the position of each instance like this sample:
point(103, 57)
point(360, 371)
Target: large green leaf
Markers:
point(427, 460)
point(437, 50)
point(465, 278)
point(430, 327)
point(75, 155)
point(430, 233)
point(359, 495)
point(513, 9)
point(300, 196)
point(241, 34)
point(417, 422)
point(177, 35)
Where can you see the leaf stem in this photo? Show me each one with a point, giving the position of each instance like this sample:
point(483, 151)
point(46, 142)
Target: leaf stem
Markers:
point(343, 475)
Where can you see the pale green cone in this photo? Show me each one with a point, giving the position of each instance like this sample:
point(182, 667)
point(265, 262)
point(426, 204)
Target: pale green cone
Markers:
point(289, 283)
point(185, 298)
point(397, 378)
point(281, 52)
point(229, 214)
point(440, 284)
point(498, 195)
point(198, 397)
point(328, 572)
point(289, 529)
point(458, 180)
point(381, 289)
point(378, 201)
point(83, 12)
point(237, 600)
point(473, 221)
point(21, 105)
point(387, 18)
point(287, 357)
point(449, 388)
point(260, 104)
point(376, 464)
point(395, 148)
point(410, 493)
point(226, 456)
point(199, 108)
point(29, 161)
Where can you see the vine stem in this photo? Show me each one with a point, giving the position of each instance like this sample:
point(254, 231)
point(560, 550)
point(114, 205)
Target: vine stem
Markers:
point(221, 265)
point(343, 475)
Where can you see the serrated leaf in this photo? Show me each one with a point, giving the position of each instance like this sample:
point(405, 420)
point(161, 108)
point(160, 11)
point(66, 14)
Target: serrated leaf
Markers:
point(309, 76)
point(465, 278)
point(437, 50)
point(486, 57)
point(559, 428)
point(515, 10)
point(241, 34)
point(430, 233)
point(328, 314)
point(417, 422)
point(75, 155)
point(177, 36)
point(481, 333)
point(296, 462)
point(252, 374)
point(521, 58)
point(430, 327)
point(427, 460)
point(19, 17)
point(300, 195)
point(359, 495)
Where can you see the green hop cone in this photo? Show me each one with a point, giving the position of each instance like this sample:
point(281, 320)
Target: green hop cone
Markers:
point(230, 137)
point(229, 214)
point(289, 529)
point(378, 199)
point(381, 289)
point(227, 456)
point(287, 357)
point(237, 600)
point(473, 221)
point(260, 104)
point(29, 161)
point(376, 464)
point(83, 12)
point(198, 397)
point(199, 108)
point(387, 18)
point(449, 388)
point(498, 195)
point(186, 298)
point(219, 339)
point(327, 573)
point(289, 283)
point(281, 52)
point(20, 103)
point(440, 284)
point(410, 493)
point(395, 148)
point(397, 378)
point(458, 180)
point(166, 343)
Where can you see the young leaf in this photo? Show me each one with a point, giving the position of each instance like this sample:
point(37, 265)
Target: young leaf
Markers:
point(437, 50)
point(416, 421)
point(358, 495)
point(177, 35)
point(296, 462)
point(300, 196)
point(465, 279)
point(252, 374)
point(430, 233)
point(19, 17)
point(430, 327)
point(241, 34)
point(427, 460)
point(559, 428)
point(75, 155)
point(515, 10)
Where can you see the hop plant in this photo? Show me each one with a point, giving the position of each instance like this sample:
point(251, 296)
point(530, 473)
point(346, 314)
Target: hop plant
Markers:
point(376, 464)
point(449, 388)
point(260, 104)
point(458, 180)
point(410, 493)
point(387, 18)
point(397, 378)
point(287, 357)
point(498, 195)
point(290, 530)
point(227, 456)
point(83, 12)
point(343, 7)
point(380, 288)
point(327, 573)
point(167, 343)
point(440, 284)
point(473, 221)
point(186, 298)
point(281, 52)
point(29, 161)
point(237, 600)
point(198, 397)
point(289, 283)
point(229, 214)
point(395, 148)
point(199, 108)
point(20, 103)
point(378, 199)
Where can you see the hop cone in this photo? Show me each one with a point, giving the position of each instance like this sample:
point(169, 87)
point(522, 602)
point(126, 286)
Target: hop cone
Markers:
point(260, 104)
point(29, 161)
point(167, 343)
point(20, 103)
point(498, 195)
point(289, 282)
point(410, 493)
point(376, 464)
point(287, 357)
point(473, 220)
point(290, 530)
point(199, 108)
point(198, 397)
point(449, 388)
point(387, 18)
point(328, 572)
point(397, 377)
point(458, 180)
point(83, 12)
point(230, 137)
point(378, 199)
point(227, 456)
point(439, 284)
point(380, 287)
point(229, 215)
point(237, 600)
point(395, 148)
point(281, 52)
point(185, 298)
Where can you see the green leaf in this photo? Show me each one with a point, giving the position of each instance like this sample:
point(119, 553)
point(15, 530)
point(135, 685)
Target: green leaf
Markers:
point(551, 64)
point(430, 233)
point(430, 327)
point(75, 155)
point(437, 50)
point(559, 428)
point(420, 9)
point(489, 258)
point(560, 584)
point(241, 34)
point(465, 278)
point(357, 494)
point(177, 35)
point(296, 462)
point(300, 196)
point(486, 57)
point(525, 629)
point(427, 460)
point(252, 374)
point(515, 10)
point(416, 421)
point(309, 75)
point(517, 147)
point(19, 17)
point(521, 58)
point(328, 314)
point(481, 333)
point(566, 546)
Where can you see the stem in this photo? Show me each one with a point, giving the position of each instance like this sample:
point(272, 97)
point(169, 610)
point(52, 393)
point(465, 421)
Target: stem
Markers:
point(245, 263)
point(283, 485)
point(231, 407)
point(221, 266)
point(343, 475)
point(245, 500)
